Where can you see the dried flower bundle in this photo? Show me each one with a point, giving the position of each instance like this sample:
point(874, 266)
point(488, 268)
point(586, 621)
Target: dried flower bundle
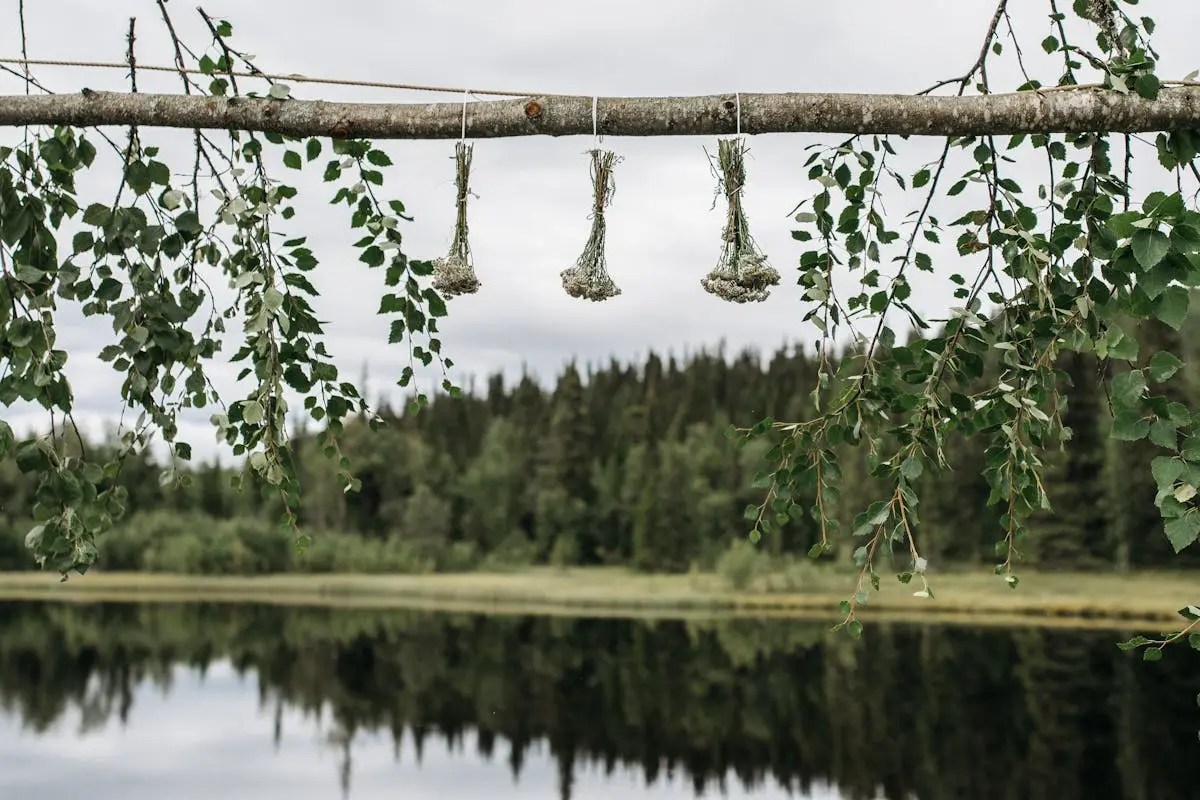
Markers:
point(454, 273)
point(742, 275)
point(589, 278)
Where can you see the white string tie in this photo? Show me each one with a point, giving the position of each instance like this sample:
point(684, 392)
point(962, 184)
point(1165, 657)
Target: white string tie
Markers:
point(466, 96)
point(596, 121)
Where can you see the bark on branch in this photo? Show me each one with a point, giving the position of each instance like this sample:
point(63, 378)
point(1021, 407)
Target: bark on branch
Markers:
point(1052, 111)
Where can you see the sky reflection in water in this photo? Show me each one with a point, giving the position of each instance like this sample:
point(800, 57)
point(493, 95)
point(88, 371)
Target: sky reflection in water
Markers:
point(208, 738)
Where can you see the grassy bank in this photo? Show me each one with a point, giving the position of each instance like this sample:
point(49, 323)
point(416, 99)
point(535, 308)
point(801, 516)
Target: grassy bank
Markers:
point(1144, 598)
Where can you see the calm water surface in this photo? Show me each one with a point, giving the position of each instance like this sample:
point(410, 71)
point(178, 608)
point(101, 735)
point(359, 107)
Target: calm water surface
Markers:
point(239, 702)
point(209, 738)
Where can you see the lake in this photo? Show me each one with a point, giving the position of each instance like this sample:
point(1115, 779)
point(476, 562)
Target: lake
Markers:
point(236, 702)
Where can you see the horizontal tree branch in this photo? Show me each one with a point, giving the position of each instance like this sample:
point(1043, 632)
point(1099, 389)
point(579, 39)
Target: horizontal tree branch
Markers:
point(1050, 111)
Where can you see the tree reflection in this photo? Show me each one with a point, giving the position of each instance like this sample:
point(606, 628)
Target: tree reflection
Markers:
point(910, 711)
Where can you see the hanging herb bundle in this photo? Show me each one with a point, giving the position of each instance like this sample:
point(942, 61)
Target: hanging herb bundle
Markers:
point(454, 273)
point(743, 274)
point(589, 277)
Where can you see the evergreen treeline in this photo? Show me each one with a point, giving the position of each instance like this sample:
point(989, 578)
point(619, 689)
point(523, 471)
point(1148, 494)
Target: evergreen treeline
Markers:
point(619, 464)
point(935, 712)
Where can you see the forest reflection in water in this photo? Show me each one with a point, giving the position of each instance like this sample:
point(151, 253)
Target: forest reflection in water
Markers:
point(575, 707)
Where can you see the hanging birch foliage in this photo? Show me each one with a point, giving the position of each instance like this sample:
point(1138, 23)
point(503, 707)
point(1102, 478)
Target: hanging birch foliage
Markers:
point(589, 278)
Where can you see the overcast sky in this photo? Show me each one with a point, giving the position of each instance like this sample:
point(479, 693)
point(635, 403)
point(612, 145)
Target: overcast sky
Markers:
point(530, 219)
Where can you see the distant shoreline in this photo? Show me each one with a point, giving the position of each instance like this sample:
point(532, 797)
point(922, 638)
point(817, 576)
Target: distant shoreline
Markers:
point(976, 597)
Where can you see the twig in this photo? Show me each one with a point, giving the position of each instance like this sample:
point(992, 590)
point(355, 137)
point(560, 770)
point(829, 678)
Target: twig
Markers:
point(129, 56)
point(24, 44)
point(983, 54)
point(177, 45)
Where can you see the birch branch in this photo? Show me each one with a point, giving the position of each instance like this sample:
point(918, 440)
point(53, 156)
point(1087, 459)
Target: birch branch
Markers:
point(1073, 110)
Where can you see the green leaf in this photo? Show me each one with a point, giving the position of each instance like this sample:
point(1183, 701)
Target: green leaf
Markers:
point(1161, 205)
point(1162, 433)
point(291, 159)
point(1172, 307)
point(188, 222)
point(1155, 281)
point(379, 158)
point(108, 290)
point(253, 412)
point(1149, 246)
point(1128, 388)
point(372, 256)
point(1130, 426)
point(1133, 642)
point(437, 306)
point(31, 458)
point(34, 537)
point(1163, 365)
point(97, 215)
point(159, 173)
point(272, 299)
point(1121, 345)
point(1182, 531)
point(1147, 85)
point(819, 549)
point(396, 331)
point(8, 441)
point(1123, 225)
point(876, 514)
point(1166, 470)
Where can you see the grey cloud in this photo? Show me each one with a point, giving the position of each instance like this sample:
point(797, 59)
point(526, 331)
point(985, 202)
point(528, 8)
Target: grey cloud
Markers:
point(530, 220)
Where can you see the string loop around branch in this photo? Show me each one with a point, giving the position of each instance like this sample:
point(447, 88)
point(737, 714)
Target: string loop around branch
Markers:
point(596, 121)
point(466, 96)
